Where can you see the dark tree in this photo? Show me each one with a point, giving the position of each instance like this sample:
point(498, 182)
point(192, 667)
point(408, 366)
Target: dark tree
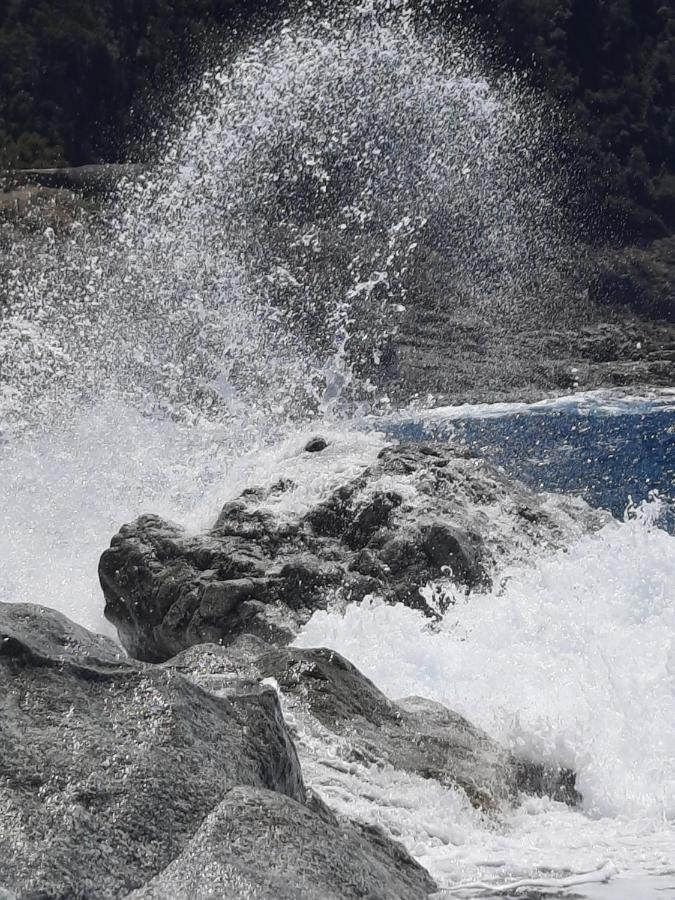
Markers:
point(72, 73)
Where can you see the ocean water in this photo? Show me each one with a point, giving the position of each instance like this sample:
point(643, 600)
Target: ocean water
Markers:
point(184, 343)
point(613, 452)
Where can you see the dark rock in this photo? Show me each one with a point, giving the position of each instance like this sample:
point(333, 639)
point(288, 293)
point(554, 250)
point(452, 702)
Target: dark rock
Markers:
point(585, 339)
point(109, 766)
point(547, 781)
point(109, 769)
point(315, 445)
point(417, 514)
point(30, 210)
point(413, 735)
point(614, 288)
point(447, 547)
point(33, 636)
point(375, 515)
point(640, 279)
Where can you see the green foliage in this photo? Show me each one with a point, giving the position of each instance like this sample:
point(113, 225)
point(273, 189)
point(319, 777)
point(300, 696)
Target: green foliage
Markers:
point(612, 64)
point(73, 71)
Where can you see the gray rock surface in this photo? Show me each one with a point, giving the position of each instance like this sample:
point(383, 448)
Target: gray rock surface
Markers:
point(418, 513)
point(361, 725)
point(109, 768)
point(609, 323)
point(639, 278)
point(265, 846)
point(448, 356)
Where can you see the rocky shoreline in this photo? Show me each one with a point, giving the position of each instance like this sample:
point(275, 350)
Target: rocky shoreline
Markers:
point(194, 766)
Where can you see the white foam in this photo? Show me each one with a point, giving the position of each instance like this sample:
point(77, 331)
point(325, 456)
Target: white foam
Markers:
point(598, 402)
point(201, 301)
point(570, 660)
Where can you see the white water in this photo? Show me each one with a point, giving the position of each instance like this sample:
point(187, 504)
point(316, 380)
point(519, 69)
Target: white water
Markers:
point(64, 494)
point(187, 345)
point(572, 660)
point(602, 401)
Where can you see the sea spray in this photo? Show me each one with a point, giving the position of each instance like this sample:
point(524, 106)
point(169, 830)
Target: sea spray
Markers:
point(574, 659)
point(571, 660)
point(298, 207)
point(157, 356)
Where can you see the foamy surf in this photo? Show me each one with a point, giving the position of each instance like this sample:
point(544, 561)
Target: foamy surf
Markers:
point(65, 493)
point(570, 659)
point(597, 402)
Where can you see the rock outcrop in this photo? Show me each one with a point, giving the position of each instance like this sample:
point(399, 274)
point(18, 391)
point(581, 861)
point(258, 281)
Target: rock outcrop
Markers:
point(125, 779)
point(90, 179)
point(640, 278)
point(450, 358)
point(232, 768)
point(120, 777)
point(419, 513)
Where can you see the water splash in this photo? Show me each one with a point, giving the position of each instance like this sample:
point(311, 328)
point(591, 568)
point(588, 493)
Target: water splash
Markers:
point(577, 668)
point(321, 188)
point(307, 193)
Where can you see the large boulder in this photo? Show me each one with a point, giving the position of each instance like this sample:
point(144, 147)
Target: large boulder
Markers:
point(418, 513)
point(110, 770)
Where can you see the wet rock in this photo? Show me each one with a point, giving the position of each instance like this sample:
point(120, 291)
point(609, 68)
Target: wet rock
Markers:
point(548, 781)
point(417, 514)
point(316, 445)
point(448, 547)
point(119, 776)
point(413, 735)
point(375, 515)
point(110, 766)
point(359, 724)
